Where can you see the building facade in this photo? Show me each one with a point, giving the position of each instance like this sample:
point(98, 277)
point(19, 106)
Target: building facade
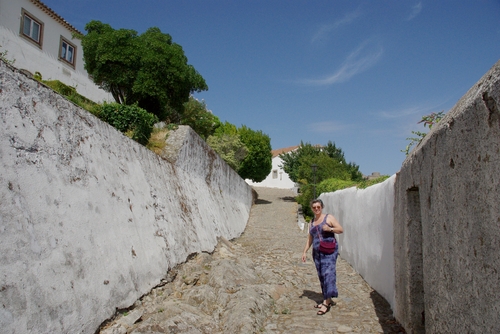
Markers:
point(39, 40)
point(278, 178)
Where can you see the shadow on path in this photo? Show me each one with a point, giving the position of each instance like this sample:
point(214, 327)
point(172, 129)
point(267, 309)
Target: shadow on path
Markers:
point(384, 314)
point(316, 297)
point(262, 201)
point(288, 199)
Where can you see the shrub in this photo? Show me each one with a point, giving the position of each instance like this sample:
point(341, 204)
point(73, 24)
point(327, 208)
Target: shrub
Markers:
point(428, 120)
point(61, 88)
point(366, 183)
point(331, 185)
point(131, 119)
point(70, 93)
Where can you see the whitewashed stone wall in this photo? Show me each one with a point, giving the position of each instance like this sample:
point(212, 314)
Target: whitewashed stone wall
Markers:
point(445, 224)
point(447, 220)
point(89, 219)
point(367, 217)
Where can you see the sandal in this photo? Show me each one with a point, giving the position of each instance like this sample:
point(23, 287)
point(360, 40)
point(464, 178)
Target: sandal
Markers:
point(321, 312)
point(321, 304)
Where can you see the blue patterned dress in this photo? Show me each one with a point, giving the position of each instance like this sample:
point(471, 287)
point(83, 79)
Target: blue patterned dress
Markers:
point(325, 263)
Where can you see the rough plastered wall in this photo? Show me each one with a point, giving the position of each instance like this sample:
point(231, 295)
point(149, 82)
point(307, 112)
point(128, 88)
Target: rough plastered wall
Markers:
point(447, 220)
point(367, 217)
point(89, 219)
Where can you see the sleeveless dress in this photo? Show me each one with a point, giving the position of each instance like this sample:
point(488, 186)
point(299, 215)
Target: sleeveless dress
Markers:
point(325, 263)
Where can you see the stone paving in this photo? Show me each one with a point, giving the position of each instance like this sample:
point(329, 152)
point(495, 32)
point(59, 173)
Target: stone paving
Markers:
point(271, 246)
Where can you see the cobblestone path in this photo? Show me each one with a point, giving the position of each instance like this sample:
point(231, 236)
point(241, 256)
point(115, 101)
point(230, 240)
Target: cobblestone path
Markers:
point(274, 240)
point(271, 246)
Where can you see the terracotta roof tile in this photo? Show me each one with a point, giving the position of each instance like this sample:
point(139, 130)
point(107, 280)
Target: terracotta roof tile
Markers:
point(55, 16)
point(283, 150)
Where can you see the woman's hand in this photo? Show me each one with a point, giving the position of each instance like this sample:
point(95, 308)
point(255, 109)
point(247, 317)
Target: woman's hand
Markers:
point(327, 228)
point(308, 244)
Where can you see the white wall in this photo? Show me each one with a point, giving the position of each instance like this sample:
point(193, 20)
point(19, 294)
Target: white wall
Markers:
point(89, 219)
point(30, 57)
point(282, 181)
point(367, 217)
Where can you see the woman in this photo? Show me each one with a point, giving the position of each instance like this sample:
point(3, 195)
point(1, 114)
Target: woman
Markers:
point(323, 226)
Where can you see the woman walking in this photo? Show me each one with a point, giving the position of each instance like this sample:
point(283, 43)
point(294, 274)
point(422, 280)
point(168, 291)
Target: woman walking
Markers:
point(322, 229)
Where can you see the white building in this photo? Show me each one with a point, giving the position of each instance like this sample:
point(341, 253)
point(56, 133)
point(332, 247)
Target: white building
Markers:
point(39, 40)
point(278, 178)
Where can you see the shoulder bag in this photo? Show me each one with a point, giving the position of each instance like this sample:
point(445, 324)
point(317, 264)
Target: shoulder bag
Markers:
point(326, 247)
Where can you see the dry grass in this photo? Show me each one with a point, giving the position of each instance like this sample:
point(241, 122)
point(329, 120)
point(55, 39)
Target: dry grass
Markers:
point(157, 140)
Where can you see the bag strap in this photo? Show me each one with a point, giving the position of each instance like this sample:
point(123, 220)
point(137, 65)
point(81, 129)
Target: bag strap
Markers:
point(317, 230)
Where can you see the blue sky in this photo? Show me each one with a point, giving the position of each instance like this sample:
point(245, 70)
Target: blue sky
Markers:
point(357, 73)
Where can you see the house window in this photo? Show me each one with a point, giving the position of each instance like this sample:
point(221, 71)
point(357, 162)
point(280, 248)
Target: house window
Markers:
point(67, 52)
point(275, 174)
point(31, 28)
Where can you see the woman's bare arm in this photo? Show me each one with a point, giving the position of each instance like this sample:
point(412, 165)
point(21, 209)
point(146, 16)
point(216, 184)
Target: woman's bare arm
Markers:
point(306, 248)
point(333, 225)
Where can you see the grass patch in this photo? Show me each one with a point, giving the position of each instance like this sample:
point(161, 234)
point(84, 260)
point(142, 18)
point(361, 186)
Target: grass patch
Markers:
point(157, 141)
point(71, 94)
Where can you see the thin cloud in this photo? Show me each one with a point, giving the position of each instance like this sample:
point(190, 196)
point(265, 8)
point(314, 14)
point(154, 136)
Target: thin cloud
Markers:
point(327, 127)
point(364, 57)
point(404, 112)
point(326, 29)
point(415, 10)
point(415, 110)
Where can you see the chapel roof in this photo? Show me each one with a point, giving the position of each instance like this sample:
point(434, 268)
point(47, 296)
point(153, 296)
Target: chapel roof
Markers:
point(279, 151)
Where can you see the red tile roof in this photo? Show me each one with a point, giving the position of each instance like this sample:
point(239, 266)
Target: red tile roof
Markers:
point(283, 150)
point(55, 16)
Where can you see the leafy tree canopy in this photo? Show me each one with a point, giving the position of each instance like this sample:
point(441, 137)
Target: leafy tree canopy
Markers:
point(147, 69)
point(247, 151)
point(227, 143)
point(230, 149)
point(329, 158)
point(330, 163)
point(226, 128)
point(199, 118)
point(258, 163)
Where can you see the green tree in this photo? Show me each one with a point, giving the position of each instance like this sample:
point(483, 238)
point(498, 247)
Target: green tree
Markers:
point(228, 145)
point(247, 151)
point(258, 163)
point(147, 69)
point(229, 148)
point(199, 118)
point(293, 160)
point(330, 162)
point(226, 128)
point(337, 154)
point(326, 168)
point(295, 163)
